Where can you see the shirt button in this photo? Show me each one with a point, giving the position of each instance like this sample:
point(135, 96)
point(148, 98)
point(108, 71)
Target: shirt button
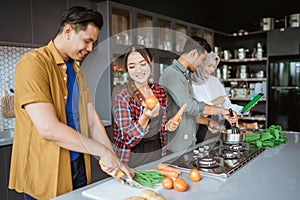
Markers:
point(64, 67)
point(65, 78)
point(65, 97)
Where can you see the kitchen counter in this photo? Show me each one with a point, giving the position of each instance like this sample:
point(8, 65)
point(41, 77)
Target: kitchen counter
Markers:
point(6, 137)
point(274, 174)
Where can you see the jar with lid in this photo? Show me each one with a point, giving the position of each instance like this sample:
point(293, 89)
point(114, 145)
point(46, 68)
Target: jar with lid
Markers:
point(259, 51)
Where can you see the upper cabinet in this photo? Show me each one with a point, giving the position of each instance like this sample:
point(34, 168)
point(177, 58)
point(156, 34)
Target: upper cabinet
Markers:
point(284, 42)
point(164, 36)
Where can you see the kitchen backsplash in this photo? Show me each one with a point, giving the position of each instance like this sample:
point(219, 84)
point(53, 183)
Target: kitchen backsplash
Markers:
point(9, 57)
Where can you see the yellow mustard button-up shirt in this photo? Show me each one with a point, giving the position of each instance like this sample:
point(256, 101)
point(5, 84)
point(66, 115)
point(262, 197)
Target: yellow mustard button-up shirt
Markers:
point(39, 167)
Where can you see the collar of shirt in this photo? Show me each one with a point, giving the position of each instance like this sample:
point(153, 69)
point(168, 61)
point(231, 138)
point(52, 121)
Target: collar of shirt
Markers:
point(185, 72)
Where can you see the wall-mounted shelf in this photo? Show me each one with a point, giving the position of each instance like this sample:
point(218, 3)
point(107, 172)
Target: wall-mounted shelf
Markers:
point(247, 79)
point(253, 118)
point(244, 60)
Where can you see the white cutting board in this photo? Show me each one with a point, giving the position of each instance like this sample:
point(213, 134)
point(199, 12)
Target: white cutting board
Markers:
point(113, 190)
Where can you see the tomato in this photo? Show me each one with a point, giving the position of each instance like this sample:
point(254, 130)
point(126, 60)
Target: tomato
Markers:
point(195, 175)
point(151, 102)
point(167, 183)
point(180, 184)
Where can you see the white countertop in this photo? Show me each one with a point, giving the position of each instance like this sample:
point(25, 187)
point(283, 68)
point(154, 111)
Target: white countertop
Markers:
point(274, 174)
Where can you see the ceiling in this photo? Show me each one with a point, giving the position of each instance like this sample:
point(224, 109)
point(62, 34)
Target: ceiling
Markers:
point(225, 16)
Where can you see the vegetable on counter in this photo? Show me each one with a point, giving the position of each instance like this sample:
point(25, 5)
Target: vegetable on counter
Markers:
point(270, 137)
point(168, 173)
point(146, 195)
point(167, 170)
point(195, 175)
point(148, 178)
point(167, 183)
point(167, 167)
point(151, 195)
point(180, 184)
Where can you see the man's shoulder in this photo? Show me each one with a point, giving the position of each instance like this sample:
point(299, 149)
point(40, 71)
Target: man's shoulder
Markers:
point(40, 53)
point(171, 70)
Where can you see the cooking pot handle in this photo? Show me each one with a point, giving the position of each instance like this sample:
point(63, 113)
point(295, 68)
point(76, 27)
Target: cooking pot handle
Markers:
point(231, 113)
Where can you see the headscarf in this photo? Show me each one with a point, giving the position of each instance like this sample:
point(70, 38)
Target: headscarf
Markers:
point(197, 76)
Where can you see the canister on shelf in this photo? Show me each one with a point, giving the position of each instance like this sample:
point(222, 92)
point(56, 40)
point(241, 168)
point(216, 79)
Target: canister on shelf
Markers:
point(267, 24)
point(227, 54)
point(295, 20)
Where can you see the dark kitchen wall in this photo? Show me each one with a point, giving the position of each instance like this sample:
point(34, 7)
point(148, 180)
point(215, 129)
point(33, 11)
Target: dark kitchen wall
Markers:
point(33, 21)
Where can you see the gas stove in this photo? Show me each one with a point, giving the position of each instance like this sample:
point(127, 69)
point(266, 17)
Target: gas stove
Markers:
point(218, 160)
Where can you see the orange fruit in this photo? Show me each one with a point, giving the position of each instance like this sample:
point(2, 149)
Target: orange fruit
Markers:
point(167, 183)
point(151, 102)
point(195, 175)
point(180, 184)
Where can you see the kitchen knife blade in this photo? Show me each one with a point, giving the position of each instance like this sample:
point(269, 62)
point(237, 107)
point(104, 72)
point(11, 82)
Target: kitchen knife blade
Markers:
point(121, 175)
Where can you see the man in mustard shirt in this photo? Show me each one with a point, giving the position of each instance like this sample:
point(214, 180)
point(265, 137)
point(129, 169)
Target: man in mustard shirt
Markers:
point(57, 127)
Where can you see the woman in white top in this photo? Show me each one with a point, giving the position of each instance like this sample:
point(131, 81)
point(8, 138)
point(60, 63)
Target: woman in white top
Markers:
point(209, 89)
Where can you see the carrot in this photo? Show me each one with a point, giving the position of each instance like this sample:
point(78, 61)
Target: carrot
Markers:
point(177, 116)
point(168, 173)
point(167, 167)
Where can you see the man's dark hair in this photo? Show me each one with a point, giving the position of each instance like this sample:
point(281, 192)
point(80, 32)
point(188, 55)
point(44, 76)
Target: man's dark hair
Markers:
point(195, 42)
point(80, 17)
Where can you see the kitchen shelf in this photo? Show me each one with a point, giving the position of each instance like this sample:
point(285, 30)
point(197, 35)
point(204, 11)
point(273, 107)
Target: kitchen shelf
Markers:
point(250, 118)
point(247, 79)
point(244, 60)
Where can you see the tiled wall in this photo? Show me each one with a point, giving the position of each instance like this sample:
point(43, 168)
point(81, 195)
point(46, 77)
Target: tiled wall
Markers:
point(9, 57)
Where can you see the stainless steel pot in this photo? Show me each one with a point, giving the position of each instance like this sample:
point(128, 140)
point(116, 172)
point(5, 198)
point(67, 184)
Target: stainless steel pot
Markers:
point(229, 138)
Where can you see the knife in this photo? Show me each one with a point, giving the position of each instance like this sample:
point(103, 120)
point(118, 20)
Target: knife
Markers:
point(121, 175)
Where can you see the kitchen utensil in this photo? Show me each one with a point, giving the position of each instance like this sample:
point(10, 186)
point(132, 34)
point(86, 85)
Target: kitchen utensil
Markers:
point(120, 174)
point(234, 128)
point(232, 138)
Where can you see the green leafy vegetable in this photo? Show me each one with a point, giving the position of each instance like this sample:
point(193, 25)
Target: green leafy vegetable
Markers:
point(270, 137)
point(148, 178)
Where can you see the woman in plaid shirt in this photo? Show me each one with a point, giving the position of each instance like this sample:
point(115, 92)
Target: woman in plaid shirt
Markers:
point(139, 132)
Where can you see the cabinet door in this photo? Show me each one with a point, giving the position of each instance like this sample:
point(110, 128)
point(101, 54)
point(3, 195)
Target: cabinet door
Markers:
point(3, 186)
point(164, 33)
point(15, 22)
point(181, 36)
point(283, 42)
point(11, 194)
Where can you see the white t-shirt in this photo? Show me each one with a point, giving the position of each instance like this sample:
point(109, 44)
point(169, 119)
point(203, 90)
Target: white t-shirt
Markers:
point(212, 89)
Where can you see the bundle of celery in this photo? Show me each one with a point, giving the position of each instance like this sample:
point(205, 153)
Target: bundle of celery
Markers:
point(270, 137)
